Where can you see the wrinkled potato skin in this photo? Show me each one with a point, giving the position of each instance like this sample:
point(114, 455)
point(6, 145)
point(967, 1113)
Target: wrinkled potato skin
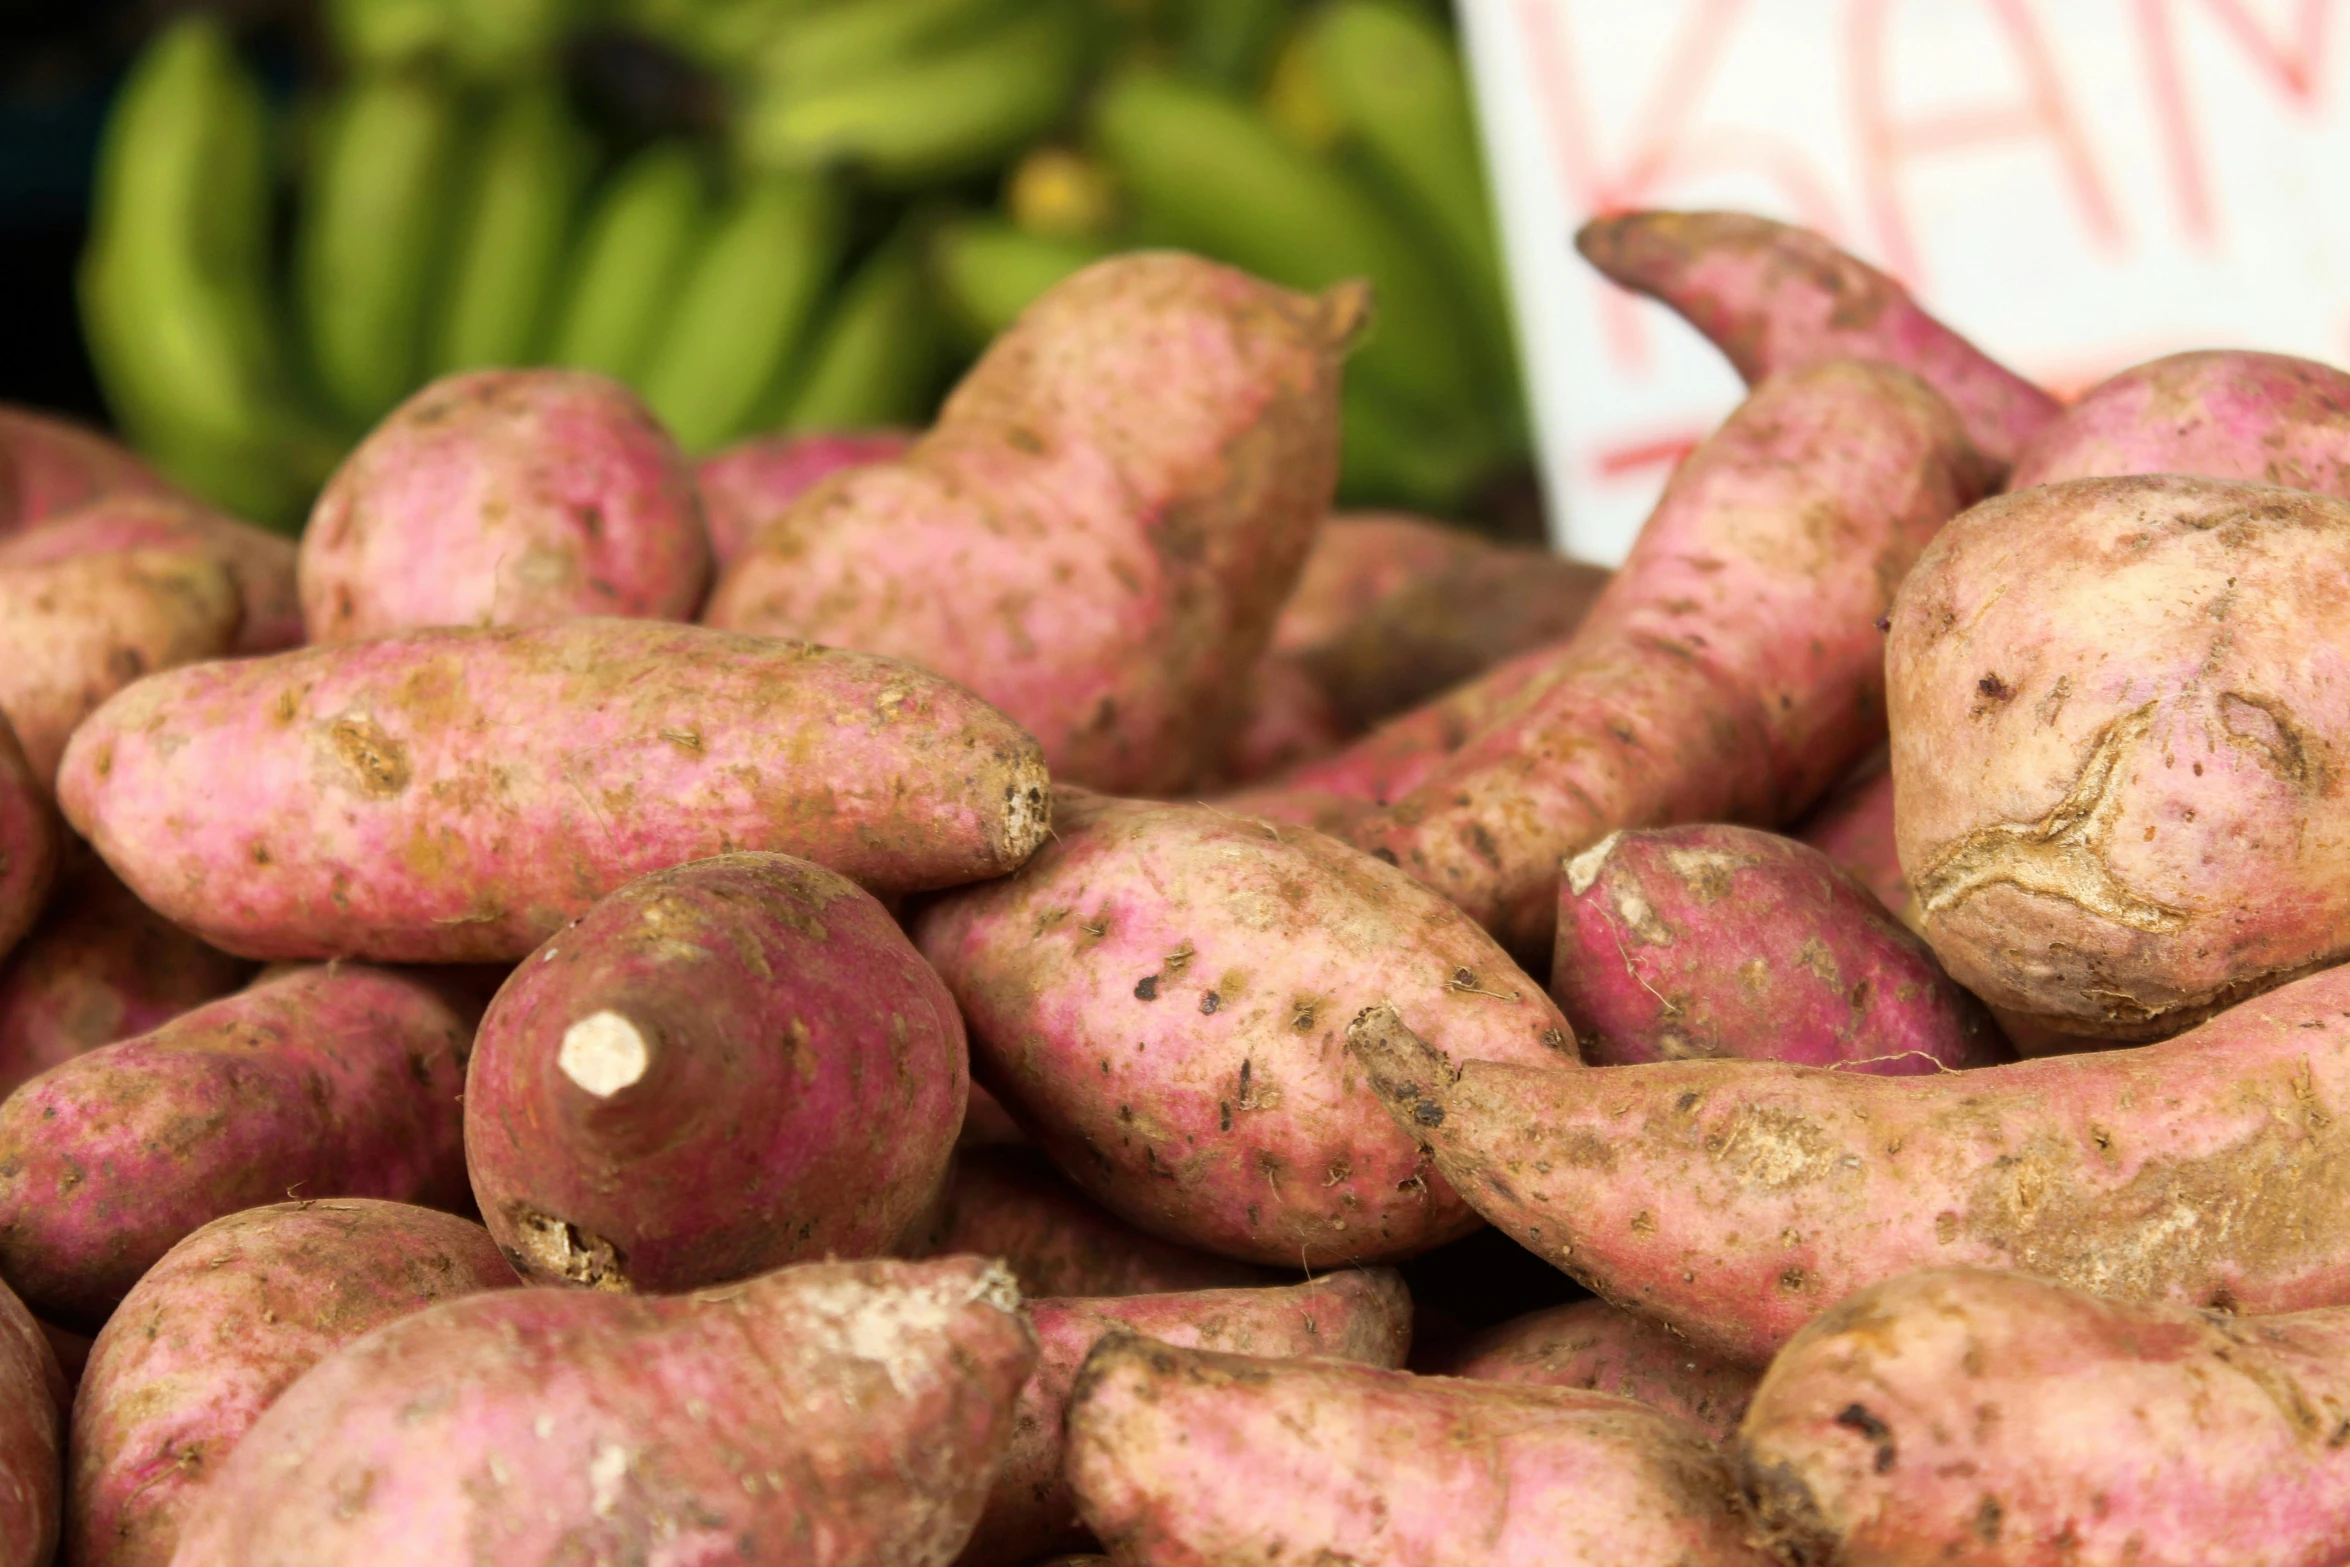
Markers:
point(2224, 414)
point(750, 484)
point(2121, 748)
point(32, 1439)
point(1605, 1349)
point(260, 565)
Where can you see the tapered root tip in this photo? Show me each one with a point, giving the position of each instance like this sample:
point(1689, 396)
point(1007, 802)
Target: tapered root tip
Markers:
point(1412, 1077)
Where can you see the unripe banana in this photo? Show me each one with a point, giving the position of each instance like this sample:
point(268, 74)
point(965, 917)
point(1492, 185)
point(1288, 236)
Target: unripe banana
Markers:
point(372, 223)
point(1395, 453)
point(378, 35)
point(988, 271)
point(512, 222)
point(743, 309)
point(875, 360)
point(951, 113)
point(633, 252)
point(503, 40)
point(857, 38)
point(1230, 42)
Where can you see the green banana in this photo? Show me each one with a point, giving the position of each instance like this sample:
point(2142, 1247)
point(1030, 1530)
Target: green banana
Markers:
point(501, 40)
point(174, 285)
point(638, 237)
point(1212, 174)
point(717, 34)
point(376, 35)
point(743, 308)
point(371, 228)
point(1392, 453)
point(510, 233)
point(853, 38)
point(950, 113)
point(877, 356)
point(987, 271)
point(1230, 42)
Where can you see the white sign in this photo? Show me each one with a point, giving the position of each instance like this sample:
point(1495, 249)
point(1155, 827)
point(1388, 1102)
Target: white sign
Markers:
point(2077, 185)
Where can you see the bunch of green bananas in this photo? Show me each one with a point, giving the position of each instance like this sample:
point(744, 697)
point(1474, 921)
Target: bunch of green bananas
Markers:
point(891, 183)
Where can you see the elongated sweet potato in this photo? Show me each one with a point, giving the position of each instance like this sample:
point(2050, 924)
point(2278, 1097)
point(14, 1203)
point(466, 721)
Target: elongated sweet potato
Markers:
point(752, 1025)
point(1731, 671)
point(260, 565)
point(81, 628)
point(506, 498)
point(321, 1082)
point(1290, 721)
point(1362, 1315)
point(455, 796)
point(1360, 560)
point(1184, 1457)
point(30, 846)
point(1707, 942)
point(832, 1414)
point(750, 484)
point(1160, 997)
point(1735, 1200)
point(1854, 827)
point(2120, 709)
point(222, 1325)
point(100, 966)
point(49, 465)
point(1991, 1418)
point(1010, 1204)
point(32, 1439)
point(1098, 532)
point(1605, 1349)
point(1775, 297)
point(2226, 414)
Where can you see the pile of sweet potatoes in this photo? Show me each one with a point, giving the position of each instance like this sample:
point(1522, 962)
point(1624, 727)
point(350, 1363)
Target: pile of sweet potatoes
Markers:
point(966, 996)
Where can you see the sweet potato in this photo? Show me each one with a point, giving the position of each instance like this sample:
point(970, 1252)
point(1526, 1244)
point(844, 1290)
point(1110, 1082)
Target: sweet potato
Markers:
point(1098, 532)
point(1289, 720)
point(321, 1082)
point(1732, 670)
point(1735, 1200)
point(749, 484)
point(1362, 1315)
point(831, 1414)
point(1160, 997)
point(1360, 560)
point(32, 1439)
point(751, 1025)
point(2229, 414)
point(2118, 710)
point(30, 844)
point(455, 796)
point(1854, 827)
point(1185, 1458)
point(49, 465)
point(260, 565)
point(987, 1124)
point(1683, 943)
point(220, 1327)
point(1774, 297)
point(100, 966)
point(1604, 1349)
point(83, 627)
point(506, 498)
point(1983, 1418)
point(1010, 1204)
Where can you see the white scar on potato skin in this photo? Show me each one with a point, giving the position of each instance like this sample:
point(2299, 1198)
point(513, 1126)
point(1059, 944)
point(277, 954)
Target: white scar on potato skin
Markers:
point(603, 1053)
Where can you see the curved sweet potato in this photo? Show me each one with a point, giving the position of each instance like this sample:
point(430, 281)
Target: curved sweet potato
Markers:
point(1359, 560)
point(831, 1414)
point(260, 564)
point(751, 1025)
point(1605, 1349)
point(1854, 827)
point(2227, 414)
point(30, 845)
point(751, 483)
point(32, 1439)
point(1736, 1200)
point(456, 796)
point(222, 1325)
point(49, 465)
point(506, 498)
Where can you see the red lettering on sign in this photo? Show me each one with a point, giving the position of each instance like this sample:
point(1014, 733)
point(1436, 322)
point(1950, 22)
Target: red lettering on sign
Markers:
point(2296, 68)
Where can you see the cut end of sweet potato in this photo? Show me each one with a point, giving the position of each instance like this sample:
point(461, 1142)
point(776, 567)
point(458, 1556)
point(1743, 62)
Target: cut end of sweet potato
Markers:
point(558, 1251)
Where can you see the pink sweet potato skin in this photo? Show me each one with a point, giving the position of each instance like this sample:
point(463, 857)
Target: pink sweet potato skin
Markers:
point(1161, 998)
point(1289, 721)
point(1361, 1315)
point(2211, 1170)
point(2224, 414)
point(1099, 531)
point(1010, 1204)
point(1774, 297)
point(321, 1082)
point(1714, 942)
point(100, 966)
point(1854, 827)
point(214, 1332)
point(1732, 670)
point(1987, 1419)
point(751, 483)
point(2120, 709)
point(31, 844)
point(833, 1414)
point(792, 1051)
point(32, 1439)
point(83, 627)
point(456, 796)
point(260, 565)
point(1359, 560)
point(1187, 1458)
point(506, 498)
point(50, 465)
point(1604, 1349)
